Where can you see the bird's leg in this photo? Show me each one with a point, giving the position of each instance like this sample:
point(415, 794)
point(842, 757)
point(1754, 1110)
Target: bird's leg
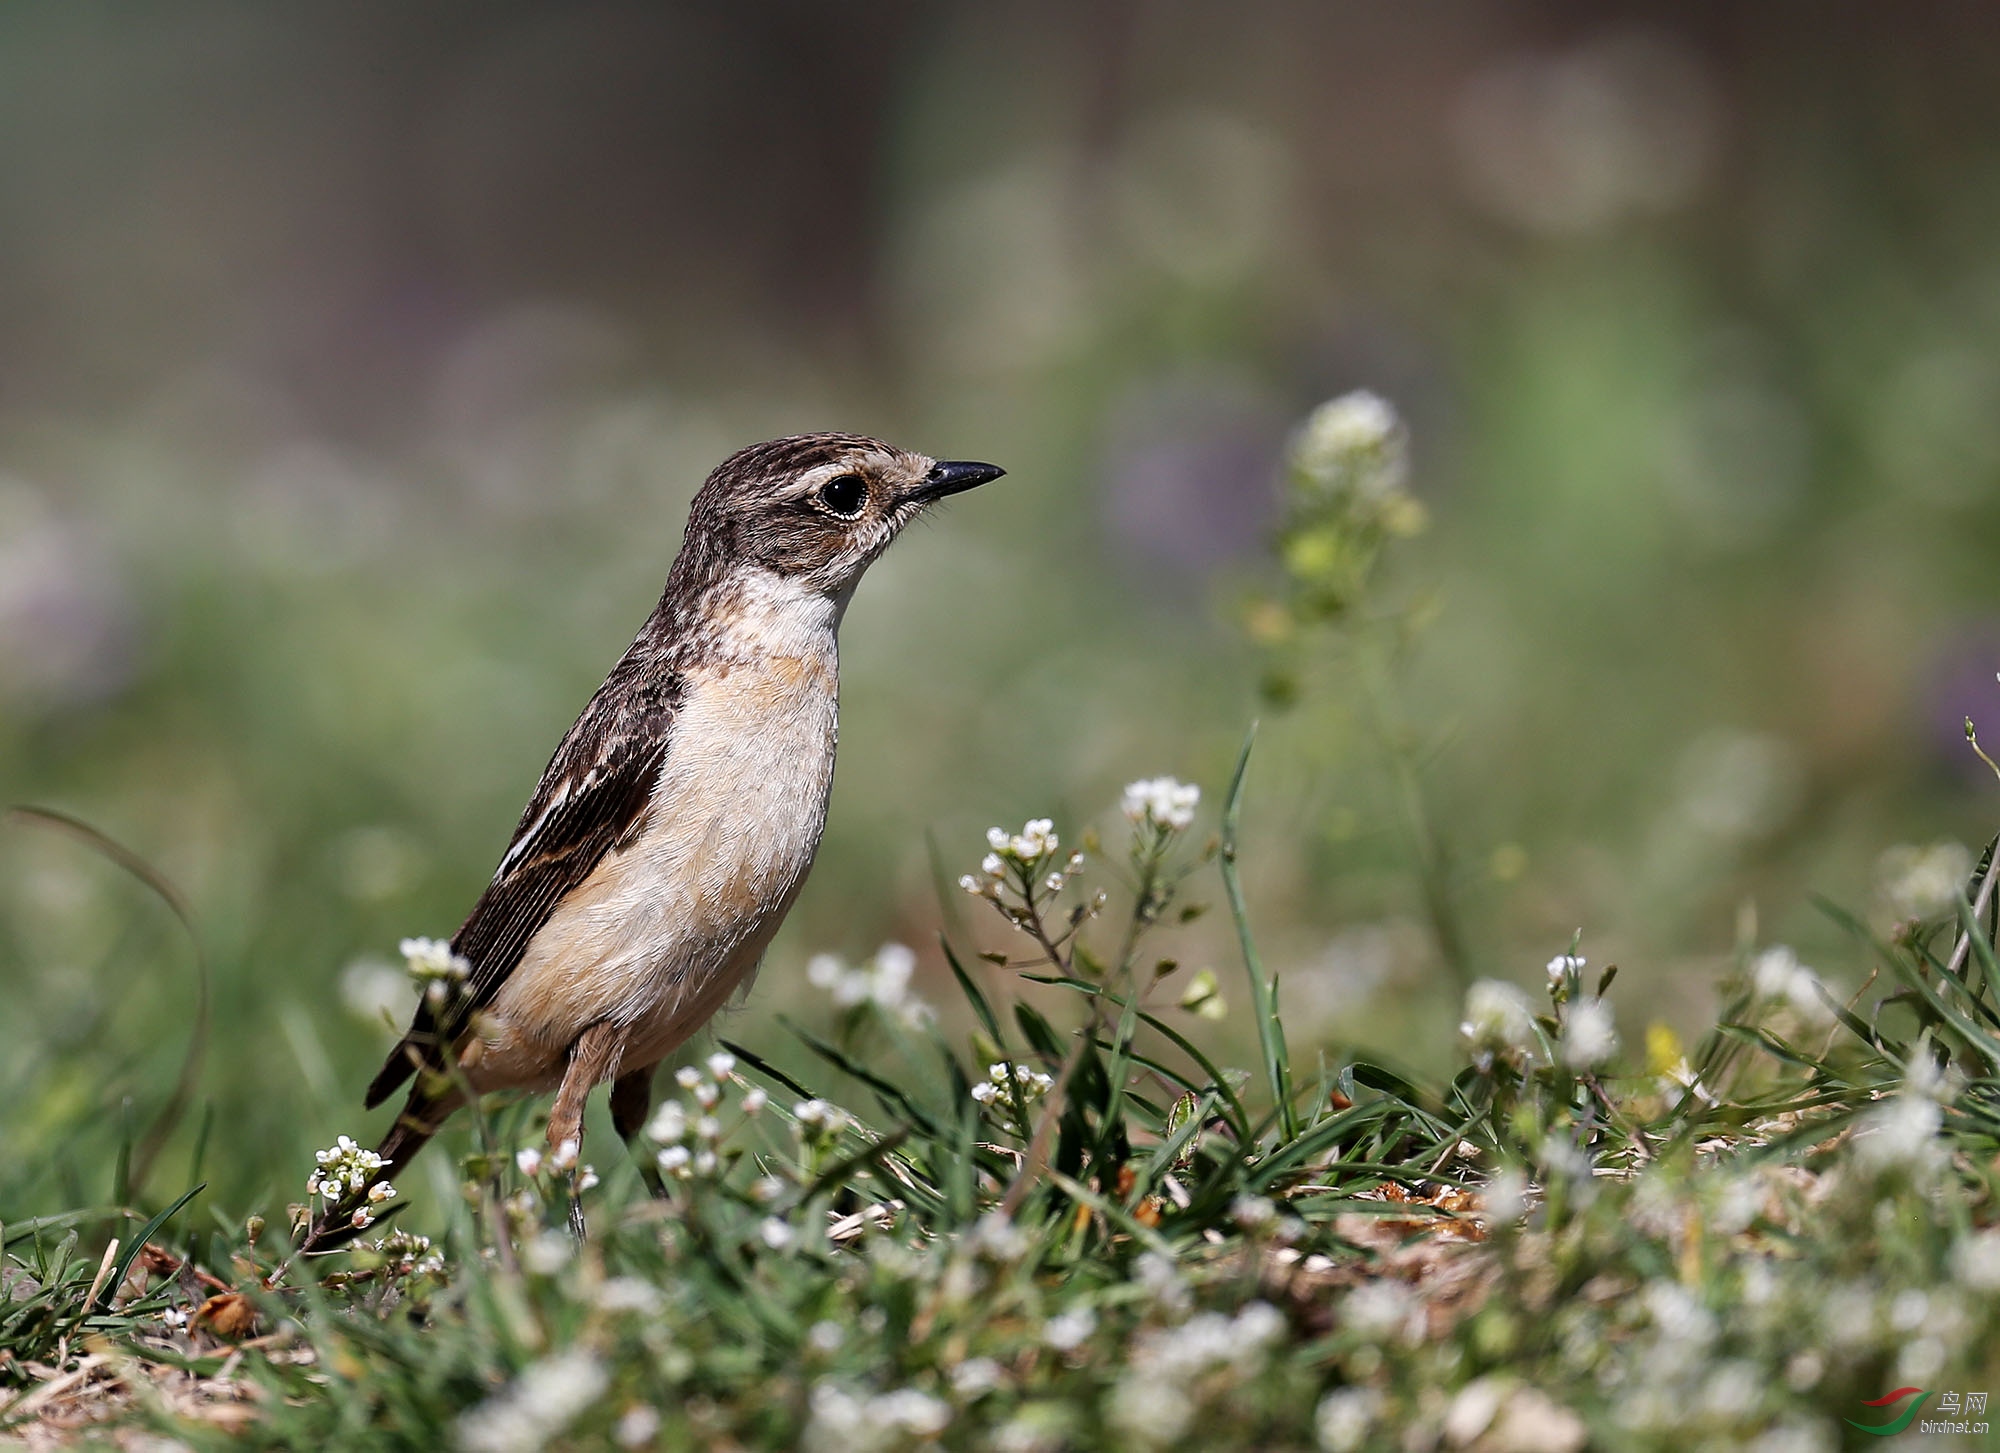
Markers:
point(631, 1101)
point(592, 1060)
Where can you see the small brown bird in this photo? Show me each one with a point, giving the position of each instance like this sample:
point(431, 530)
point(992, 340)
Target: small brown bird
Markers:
point(677, 820)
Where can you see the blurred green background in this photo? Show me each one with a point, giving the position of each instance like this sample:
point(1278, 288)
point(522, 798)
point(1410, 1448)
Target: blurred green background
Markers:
point(357, 363)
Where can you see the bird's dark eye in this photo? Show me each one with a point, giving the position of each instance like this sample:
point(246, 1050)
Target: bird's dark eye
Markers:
point(844, 495)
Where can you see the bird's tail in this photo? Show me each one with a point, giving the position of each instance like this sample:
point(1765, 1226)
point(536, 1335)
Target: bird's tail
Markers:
point(421, 1118)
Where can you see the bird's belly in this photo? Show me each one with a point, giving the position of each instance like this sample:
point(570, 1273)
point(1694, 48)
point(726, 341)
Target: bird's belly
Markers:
point(668, 926)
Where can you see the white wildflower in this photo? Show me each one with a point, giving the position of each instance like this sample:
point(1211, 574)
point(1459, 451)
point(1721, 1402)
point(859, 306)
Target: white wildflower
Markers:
point(1035, 841)
point(546, 1254)
point(1345, 1418)
point(564, 1155)
point(544, 1400)
point(1382, 1310)
point(1685, 1326)
point(1506, 1196)
point(1680, 1081)
point(755, 1100)
point(1899, 1132)
point(1031, 1084)
point(1163, 802)
point(977, 1376)
point(637, 1426)
point(1070, 1330)
point(668, 1126)
point(438, 971)
point(912, 1411)
point(344, 1169)
point(673, 1160)
point(1354, 445)
point(884, 981)
point(705, 1162)
point(845, 1422)
point(818, 1117)
point(627, 1294)
point(528, 1160)
point(1149, 1410)
point(1976, 1259)
point(721, 1064)
point(1561, 965)
point(776, 1233)
point(1163, 1282)
point(1589, 1036)
point(687, 1077)
point(1779, 978)
point(1498, 1019)
point(586, 1179)
point(996, 1237)
point(825, 1336)
point(1924, 882)
point(1258, 1324)
point(1793, 1436)
point(1253, 1213)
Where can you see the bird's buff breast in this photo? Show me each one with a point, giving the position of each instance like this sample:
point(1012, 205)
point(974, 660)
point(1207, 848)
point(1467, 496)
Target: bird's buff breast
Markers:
point(669, 926)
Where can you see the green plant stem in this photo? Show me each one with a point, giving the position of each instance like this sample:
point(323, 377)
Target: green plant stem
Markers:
point(1433, 860)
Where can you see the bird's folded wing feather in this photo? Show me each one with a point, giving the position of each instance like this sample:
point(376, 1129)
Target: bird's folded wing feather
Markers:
point(590, 800)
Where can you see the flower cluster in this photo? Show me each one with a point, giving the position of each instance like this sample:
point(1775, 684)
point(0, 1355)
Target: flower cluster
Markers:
point(1924, 882)
point(1031, 1084)
point(1778, 977)
point(544, 1400)
point(345, 1172)
point(1024, 864)
point(1589, 1036)
point(1161, 802)
point(819, 1119)
point(1562, 967)
point(1355, 443)
point(439, 972)
point(405, 1254)
point(691, 1136)
point(844, 1420)
point(561, 1162)
point(1499, 1023)
point(1171, 1368)
point(884, 982)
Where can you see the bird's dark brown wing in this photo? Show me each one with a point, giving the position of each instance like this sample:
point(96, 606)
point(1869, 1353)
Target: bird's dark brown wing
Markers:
point(590, 799)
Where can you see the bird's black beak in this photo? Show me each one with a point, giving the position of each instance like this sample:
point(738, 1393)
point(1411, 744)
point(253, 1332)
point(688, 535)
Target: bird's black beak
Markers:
point(951, 476)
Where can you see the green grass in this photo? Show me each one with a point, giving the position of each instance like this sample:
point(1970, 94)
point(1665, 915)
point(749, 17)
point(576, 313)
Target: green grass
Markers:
point(1740, 1245)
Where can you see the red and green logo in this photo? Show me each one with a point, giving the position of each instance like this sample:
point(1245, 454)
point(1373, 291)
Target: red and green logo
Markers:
point(1902, 1420)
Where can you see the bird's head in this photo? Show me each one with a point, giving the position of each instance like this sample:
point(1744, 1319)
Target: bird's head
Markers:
point(817, 509)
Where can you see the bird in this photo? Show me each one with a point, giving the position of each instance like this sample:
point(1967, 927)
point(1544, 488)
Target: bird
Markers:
point(676, 822)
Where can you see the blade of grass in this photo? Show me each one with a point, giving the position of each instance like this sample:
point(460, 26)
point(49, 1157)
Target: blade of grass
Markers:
point(138, 1243)
point(154, 1138)
point(1263, 991)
